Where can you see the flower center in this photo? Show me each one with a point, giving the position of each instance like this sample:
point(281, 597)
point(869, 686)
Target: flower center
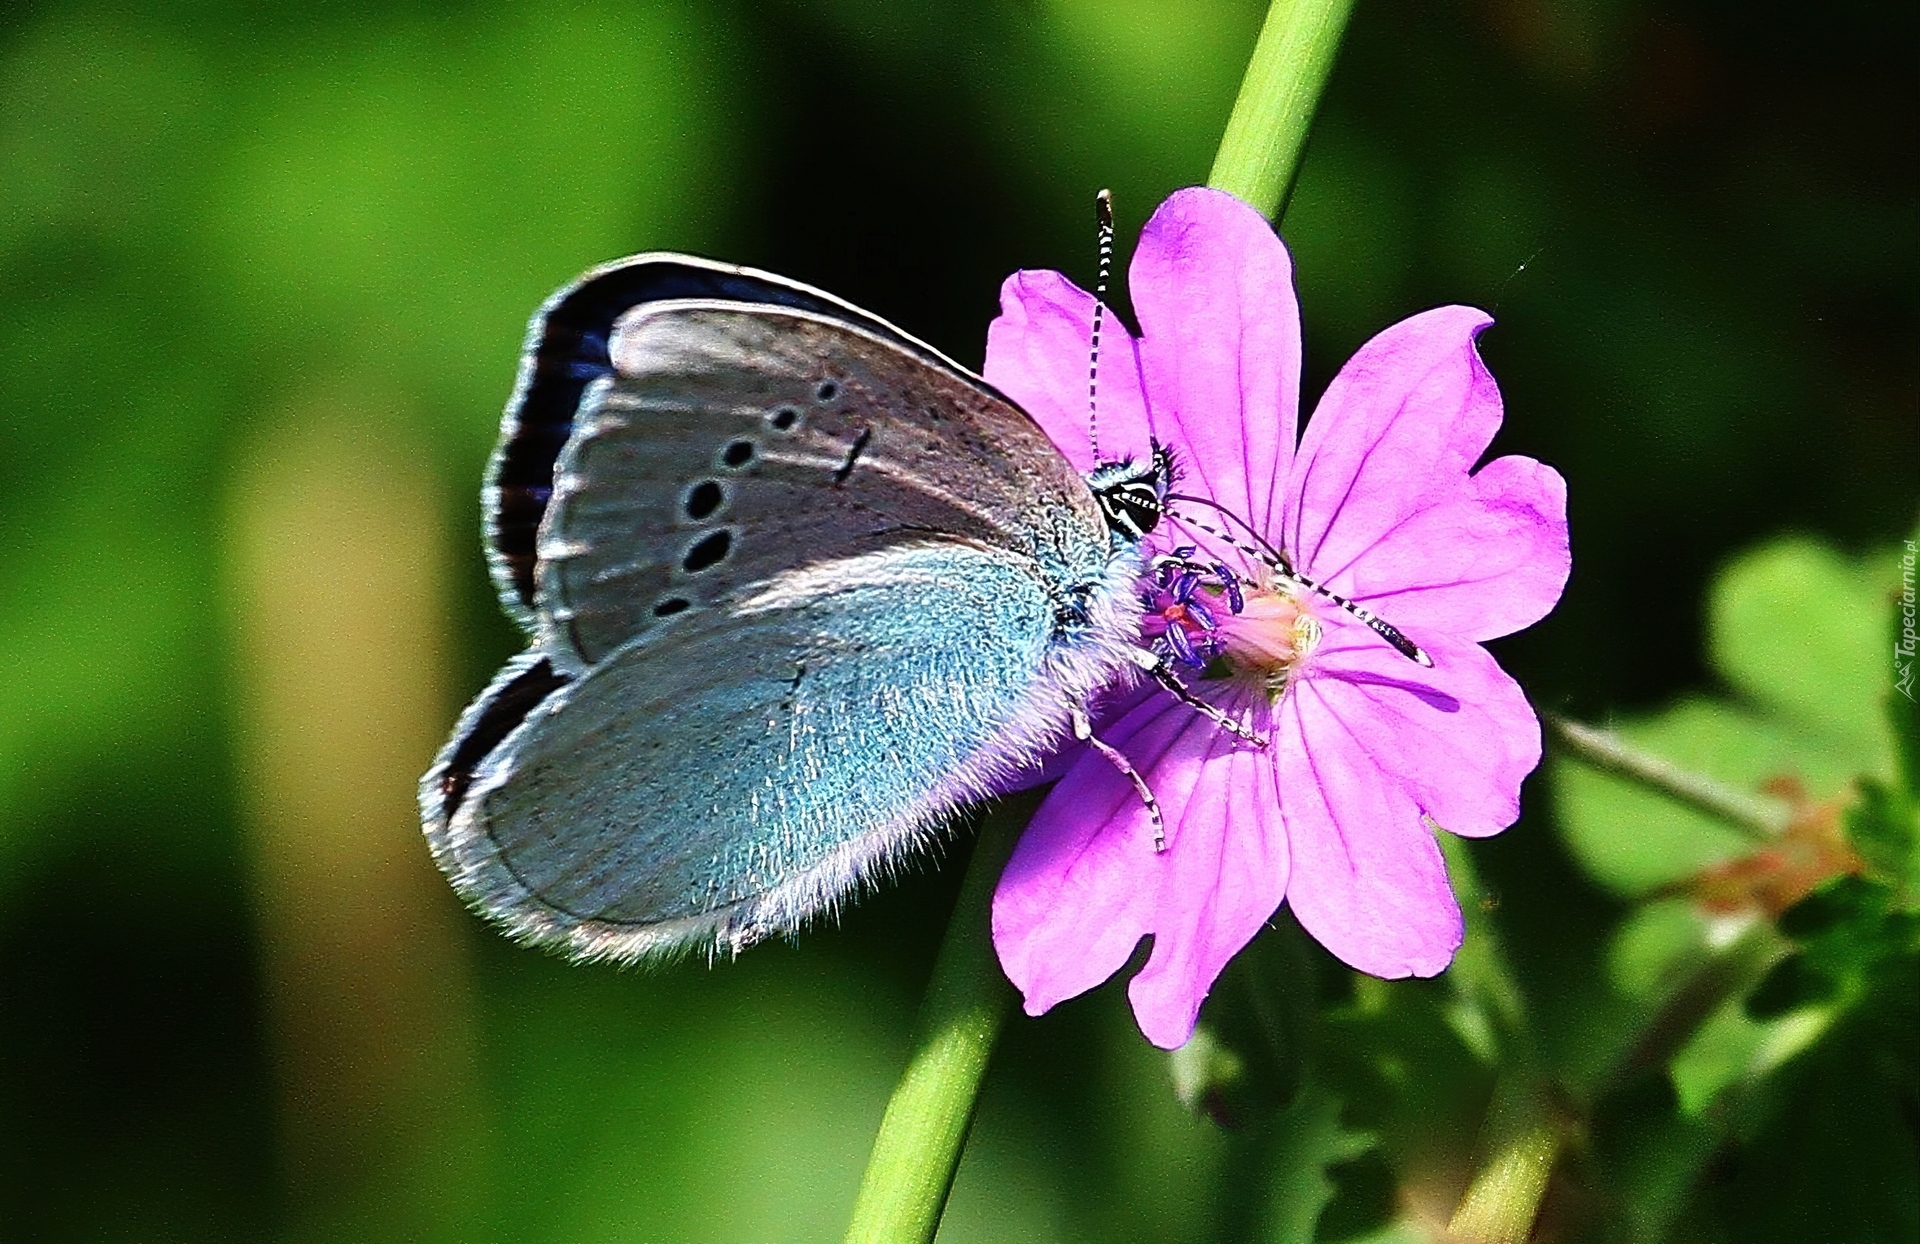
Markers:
point(1210, 619)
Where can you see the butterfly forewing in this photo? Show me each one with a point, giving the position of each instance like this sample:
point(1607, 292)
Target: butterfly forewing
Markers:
point(567, 350)
point(733, 443)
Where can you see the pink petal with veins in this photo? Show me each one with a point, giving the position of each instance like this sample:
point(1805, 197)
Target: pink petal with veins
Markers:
point(1220, 341)
point(1085, 884)
point(1037, 354)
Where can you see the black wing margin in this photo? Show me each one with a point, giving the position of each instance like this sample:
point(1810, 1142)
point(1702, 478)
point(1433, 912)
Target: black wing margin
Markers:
point(566, 351)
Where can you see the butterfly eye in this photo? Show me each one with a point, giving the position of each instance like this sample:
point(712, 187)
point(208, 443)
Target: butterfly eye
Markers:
point(827, 391)
point(782, 420)
point(707, 552)
point(703, 499)
point(737, 453)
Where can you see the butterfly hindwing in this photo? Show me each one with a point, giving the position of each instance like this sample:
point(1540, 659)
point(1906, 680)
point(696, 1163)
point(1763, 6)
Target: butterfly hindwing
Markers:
point(709, 785)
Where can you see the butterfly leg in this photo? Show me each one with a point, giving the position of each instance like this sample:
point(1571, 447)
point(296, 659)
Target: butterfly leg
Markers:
point(1160, 670)
point(1083, 730)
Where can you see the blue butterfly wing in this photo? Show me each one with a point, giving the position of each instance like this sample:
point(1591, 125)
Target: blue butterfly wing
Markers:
point(799, 588)
point(708, 785)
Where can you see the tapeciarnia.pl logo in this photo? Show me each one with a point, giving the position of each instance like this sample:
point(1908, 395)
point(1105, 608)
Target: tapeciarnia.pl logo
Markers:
point(1904, 646)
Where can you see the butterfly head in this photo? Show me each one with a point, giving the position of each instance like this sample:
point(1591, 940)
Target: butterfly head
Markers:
point(1133, 495)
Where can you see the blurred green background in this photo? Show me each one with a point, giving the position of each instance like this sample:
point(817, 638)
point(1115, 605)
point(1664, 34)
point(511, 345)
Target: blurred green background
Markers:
point(263, 275)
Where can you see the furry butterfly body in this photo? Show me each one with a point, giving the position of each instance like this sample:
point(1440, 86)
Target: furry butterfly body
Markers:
point(798, 586)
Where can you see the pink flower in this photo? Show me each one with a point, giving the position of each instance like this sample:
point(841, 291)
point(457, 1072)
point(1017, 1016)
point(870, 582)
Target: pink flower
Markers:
point(1367, 751)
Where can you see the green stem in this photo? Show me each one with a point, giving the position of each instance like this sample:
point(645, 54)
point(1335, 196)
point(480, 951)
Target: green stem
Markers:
point(1260, 153)
point(1730, 973)
point(1504, 1196)
point(918, 1148)
point(1609, 753)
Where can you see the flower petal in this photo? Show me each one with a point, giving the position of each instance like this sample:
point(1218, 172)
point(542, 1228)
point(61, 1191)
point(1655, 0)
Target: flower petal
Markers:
point(1481, 560)
point(1368, 881)
point(1459, 738)
point(1227, 877)
point(1381, 506)
point(1213, 287)
point(1085, 883)
point(1071, 904)
point(1037, 354)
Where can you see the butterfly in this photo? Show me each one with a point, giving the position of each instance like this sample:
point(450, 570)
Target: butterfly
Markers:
point(798, 586)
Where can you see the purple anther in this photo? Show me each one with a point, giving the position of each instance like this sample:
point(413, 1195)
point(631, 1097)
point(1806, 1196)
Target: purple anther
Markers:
point(1184, 587)
point(1231, 582)
point(1201, 614)
point(1176, 637)
point(1185, 551)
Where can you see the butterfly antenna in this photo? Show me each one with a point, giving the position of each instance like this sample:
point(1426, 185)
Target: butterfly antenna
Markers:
point(1103, 217)
point(1263, 551)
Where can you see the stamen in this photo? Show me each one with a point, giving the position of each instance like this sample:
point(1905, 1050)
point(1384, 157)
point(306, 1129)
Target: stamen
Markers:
point(1276, 561)
point(1231, 582)
point(1176, 637)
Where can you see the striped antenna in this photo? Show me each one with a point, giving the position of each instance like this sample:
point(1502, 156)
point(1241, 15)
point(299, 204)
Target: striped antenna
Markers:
point(1276, 561)
point(1103, 216)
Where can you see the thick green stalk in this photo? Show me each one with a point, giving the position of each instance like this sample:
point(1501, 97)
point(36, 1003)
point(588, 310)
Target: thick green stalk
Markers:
point(1260, 154)
point(1504, 1196)
point(918, 1148)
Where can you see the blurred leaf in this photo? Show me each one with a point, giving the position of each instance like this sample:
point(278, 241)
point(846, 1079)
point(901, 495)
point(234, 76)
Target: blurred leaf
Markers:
point(1731, 1048)
point(1207, 1075)
point(1310, 1159)
point(1827, 1150)
point(1655, 946)
point(1839, 909)
point(1793, 983)
point(1795, 626)
point(1851, 929)
point(1883, 824)
point(1791, 627)
point(1365, 1196)
point(1633, 840)
point(1649, 1154)
point(1488, 1012)
point(1903, 698)
point(1849, 933)
point(1252, 1050)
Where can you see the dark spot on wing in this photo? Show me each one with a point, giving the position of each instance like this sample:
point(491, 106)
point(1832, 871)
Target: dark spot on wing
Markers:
point(708, 552)
point(670, 606)
point(737, 453)
point(569, 351)
point(827, 391)
point(853, 455)
point(784, 418)
point(704, 498)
